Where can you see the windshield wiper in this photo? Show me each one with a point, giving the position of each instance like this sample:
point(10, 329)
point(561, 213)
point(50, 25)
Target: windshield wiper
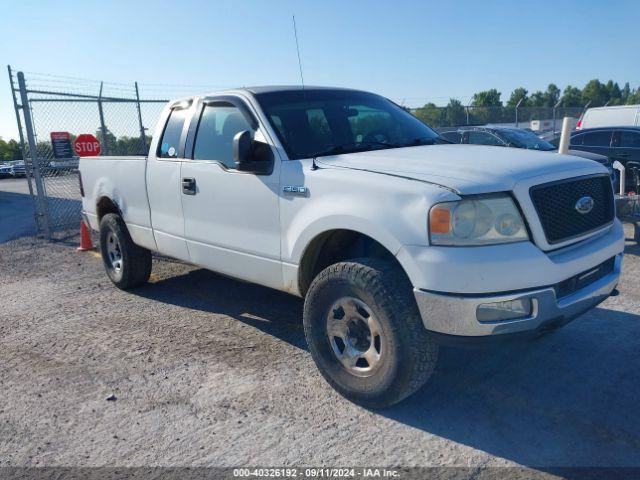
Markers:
point(426, 141)
point(353, 148)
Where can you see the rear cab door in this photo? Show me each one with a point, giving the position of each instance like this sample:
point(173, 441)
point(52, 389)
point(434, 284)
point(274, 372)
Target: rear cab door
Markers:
point(164, 184)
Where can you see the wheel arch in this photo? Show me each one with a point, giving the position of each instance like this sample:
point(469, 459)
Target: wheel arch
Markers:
point(106, 205)
point(337, 245)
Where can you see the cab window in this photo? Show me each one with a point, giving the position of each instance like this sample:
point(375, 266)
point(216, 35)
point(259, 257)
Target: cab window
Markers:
point(170, 141)
point(219, 123)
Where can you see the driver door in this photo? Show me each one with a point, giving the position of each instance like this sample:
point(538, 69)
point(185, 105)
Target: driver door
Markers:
point(231, 218)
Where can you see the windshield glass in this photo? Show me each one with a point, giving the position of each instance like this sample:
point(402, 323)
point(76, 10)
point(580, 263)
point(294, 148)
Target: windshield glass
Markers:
point(525, 139)
point(315, 123)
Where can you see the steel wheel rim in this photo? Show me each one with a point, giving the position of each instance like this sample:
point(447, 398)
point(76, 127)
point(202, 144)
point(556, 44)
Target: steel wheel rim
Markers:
point(114, 254)
point(355, 336)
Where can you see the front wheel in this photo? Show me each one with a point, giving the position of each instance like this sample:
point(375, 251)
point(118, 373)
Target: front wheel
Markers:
point(127, 264)
point(365, 332)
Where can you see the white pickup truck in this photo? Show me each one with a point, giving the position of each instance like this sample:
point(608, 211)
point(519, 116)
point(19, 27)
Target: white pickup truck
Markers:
point(397, 240)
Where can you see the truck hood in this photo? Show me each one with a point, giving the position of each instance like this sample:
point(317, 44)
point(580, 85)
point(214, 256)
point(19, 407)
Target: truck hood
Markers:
point(465, 169)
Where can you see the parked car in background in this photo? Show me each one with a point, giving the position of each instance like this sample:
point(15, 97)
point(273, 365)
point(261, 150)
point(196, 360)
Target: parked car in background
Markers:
point(12, 168)
point(622, 115)
point(516, 138)
point(617, 143)
point(63, 166)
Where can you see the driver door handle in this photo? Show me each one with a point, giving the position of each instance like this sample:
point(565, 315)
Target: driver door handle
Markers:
point(189, 186)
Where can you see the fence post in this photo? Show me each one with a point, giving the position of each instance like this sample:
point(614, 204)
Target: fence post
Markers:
point(143, 138)
point(103, 129)
point(16, 107)
point(41, 207)
point(555, 108)
point(518, 105)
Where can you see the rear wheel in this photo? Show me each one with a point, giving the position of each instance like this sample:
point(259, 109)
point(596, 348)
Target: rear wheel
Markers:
point(365, 332)
point(127, 264)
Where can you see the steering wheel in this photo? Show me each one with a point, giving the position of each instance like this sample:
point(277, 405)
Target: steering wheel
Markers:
point(376, 136)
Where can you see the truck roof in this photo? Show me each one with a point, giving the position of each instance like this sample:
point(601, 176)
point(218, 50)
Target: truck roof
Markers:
point(290, 88)
point(256, 90)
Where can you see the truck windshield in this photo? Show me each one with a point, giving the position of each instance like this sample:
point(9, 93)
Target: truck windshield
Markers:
point(324, 122)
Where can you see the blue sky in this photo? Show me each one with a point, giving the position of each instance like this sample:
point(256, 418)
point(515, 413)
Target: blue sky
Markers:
point(411, 51)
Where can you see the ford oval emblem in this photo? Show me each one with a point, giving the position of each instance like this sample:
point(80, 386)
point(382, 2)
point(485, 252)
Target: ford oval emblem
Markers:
point(585, 205)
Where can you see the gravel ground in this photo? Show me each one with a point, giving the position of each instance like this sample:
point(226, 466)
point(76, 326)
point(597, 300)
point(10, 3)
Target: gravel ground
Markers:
point(209, 371)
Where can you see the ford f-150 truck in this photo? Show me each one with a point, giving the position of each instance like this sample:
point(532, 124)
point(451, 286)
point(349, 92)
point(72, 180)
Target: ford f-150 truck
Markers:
point(397, 240)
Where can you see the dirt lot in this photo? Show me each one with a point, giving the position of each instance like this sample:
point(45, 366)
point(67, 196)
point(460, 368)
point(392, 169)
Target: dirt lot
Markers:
point(211, 371)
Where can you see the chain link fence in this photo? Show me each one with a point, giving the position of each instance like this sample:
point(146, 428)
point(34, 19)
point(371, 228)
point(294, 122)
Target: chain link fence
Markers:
point(114, 113)
point(122, 117)
point(537, 118)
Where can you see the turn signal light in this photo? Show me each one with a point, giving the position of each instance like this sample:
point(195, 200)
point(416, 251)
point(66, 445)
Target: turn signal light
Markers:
point(439, 220)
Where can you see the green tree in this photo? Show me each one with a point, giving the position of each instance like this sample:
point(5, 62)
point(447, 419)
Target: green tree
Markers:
point(594, 92)
point(10, 150)
point(572, 97)
point(518, 94)
point(487, 98)
point(614, 94)
point(625, 93)
point(537, 99)
point(429, 114)
point(110, 145)
point(455, 114)
point(552, 95)
point(634, 97)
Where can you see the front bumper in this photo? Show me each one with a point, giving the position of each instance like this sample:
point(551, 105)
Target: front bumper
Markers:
point(453, 314)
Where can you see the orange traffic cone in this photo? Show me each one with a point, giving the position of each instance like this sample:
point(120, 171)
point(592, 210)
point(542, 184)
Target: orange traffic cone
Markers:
point(85, 238)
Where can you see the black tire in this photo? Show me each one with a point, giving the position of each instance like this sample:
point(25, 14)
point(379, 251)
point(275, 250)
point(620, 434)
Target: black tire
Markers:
point(133, 266)
point(407, 354)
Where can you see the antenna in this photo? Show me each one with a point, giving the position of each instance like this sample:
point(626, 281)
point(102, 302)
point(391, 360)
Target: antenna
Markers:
point(314, 165)
point(295, 34)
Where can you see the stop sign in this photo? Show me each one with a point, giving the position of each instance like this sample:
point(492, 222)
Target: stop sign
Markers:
point(86, 145)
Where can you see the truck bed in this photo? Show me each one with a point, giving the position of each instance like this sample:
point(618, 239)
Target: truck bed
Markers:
point(121, 179)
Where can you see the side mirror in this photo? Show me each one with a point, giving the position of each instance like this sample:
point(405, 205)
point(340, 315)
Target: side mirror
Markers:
point(251, 156)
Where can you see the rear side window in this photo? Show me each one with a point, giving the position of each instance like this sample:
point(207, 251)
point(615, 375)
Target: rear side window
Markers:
point(629, 139)
point(170, 141)
point(597, 139)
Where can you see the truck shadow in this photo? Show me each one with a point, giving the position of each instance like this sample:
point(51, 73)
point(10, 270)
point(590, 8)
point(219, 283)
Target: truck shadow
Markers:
point(568, 399)
point(271, 311)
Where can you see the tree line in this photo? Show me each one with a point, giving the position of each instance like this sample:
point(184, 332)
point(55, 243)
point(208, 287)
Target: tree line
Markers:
point(124, 145)
point(9, 150)
point(487, 106)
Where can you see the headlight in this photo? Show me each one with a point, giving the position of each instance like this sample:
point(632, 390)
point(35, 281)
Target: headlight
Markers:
point(476, 221)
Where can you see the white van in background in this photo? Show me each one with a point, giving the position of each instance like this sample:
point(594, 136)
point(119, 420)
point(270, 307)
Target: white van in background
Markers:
point(618, 116)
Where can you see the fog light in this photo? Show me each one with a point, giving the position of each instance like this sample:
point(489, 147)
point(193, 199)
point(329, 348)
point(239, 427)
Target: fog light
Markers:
point(500, 311)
